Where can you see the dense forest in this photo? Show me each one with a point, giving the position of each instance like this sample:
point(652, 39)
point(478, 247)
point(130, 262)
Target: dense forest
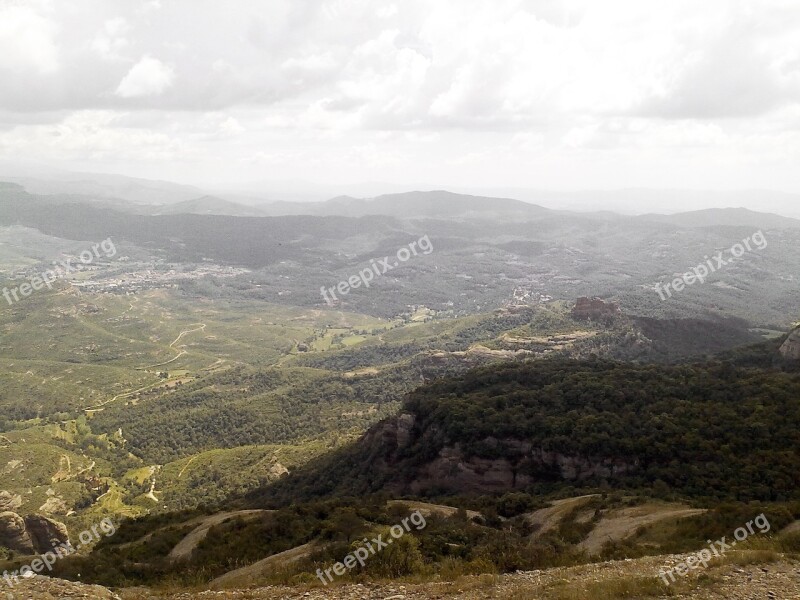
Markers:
point(712, 430)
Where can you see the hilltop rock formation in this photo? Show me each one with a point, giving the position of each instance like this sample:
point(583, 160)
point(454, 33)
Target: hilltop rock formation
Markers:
point(594, 308)
point(791, 347)
point(33, 534)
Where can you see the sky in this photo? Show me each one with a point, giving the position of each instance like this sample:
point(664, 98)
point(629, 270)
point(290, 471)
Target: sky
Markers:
point(539, 94)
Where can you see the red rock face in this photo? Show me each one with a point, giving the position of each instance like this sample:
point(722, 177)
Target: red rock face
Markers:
point(453, 471)
point(594, 308)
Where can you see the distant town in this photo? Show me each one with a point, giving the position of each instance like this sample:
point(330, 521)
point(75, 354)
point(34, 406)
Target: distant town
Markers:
point(126, 275)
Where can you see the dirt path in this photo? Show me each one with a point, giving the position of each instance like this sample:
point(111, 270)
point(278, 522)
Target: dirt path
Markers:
point(244, 576)
point(172, 347)
point(618, 524)
point(188, 544)
point(548, 518)
point(427, 509)
point(791, 528)
point(151, 494)
point(102, 405)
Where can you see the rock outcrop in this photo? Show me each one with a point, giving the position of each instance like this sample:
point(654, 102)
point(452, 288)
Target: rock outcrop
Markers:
point(45, 533)
point(791, 347)
point(14, 535)
point(594, 308)
point(277, 470)
point(54, 506)
point(9, 502)
point(519, 463)
point(453, 471)
point(33, 534)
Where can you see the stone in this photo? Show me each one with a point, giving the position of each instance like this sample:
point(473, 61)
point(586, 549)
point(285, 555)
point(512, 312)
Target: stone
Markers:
point(791, 347)
point(14, 534)
point(45, 533)
point(9, 502)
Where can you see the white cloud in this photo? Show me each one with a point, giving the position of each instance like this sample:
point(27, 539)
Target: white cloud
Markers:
point(148, 77)
point(100, 135)
point(541, 91)
point(111, 41)
point(27, 40)
point(150, 6)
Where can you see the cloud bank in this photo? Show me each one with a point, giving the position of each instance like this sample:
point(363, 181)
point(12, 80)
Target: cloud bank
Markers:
point(541, 93)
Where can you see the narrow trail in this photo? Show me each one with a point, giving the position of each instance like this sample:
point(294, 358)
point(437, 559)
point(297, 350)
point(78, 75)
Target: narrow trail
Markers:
point(172, 347)
point(151, 494)
point(186, 466)
point(99, 407)
point(102, 405)
point(187, 545)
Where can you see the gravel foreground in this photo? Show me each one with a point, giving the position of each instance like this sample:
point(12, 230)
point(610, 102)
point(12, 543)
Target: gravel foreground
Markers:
point(609, 580)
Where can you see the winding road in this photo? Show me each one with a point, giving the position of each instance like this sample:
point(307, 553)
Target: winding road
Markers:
point(99, 407)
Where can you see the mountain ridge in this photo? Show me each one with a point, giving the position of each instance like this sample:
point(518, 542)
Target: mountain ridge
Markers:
point(544, 424)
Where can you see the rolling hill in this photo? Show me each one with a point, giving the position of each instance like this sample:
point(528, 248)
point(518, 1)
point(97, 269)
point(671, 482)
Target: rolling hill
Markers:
point(206, 205)
point(725, 217)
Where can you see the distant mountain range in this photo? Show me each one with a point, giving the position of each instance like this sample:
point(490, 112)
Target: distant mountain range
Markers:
point(274, 199)
point(486, 250)
point(104, 186)
point(725, 217)
point(432, 204)
point(437, 204)
point(207, 205)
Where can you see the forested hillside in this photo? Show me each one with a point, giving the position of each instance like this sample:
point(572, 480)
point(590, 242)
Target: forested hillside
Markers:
point(710, 430)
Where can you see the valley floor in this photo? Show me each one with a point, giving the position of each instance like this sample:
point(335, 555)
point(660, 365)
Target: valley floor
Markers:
point(637, 578)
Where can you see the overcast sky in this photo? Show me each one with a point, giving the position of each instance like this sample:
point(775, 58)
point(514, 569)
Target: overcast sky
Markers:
point(560, 94)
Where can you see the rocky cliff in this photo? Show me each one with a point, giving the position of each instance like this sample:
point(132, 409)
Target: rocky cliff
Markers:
point(791, 347)
point(563, 423)
point(519, 465)
point(453, 471)
point(32, 534)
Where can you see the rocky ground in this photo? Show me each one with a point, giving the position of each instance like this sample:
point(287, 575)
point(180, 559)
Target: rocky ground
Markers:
point(777, 580)
point(45, 588)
